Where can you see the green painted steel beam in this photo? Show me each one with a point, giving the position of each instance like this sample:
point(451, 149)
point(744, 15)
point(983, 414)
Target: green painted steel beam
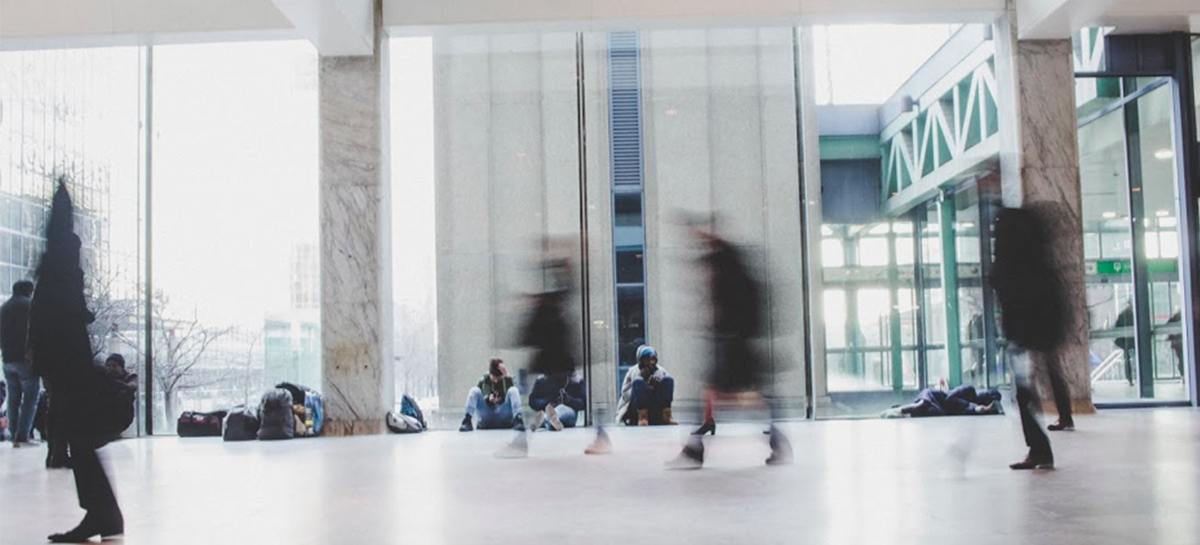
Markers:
point(946, 215)
point(894, 314)
point(842, 148)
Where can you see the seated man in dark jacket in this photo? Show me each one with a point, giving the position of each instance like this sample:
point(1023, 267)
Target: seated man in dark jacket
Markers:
point(557, 400)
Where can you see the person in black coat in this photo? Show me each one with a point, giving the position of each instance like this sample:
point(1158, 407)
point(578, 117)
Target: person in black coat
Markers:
point(1035, 316)
point(61, 348)
point(737, 319)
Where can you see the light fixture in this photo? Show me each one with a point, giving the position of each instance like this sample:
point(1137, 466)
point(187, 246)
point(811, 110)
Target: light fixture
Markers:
point(1162, 213)
point(671, 111)
point(1109, 215)
point(1164, 154)
point(520, 155)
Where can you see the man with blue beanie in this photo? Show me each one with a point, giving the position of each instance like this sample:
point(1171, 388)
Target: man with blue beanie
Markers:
point(647, 392)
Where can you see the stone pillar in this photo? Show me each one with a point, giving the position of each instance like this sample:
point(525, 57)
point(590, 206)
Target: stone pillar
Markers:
point(355, 243)
point(1040, 163)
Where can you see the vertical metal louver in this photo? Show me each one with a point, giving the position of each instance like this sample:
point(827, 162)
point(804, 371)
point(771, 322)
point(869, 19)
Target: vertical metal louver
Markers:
point(625, 108)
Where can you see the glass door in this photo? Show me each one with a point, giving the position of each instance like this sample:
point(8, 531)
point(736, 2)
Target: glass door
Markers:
point(1131, 239)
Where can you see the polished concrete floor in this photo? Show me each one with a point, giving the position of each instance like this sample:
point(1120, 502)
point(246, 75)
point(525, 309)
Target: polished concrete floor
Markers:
point(1125, 477)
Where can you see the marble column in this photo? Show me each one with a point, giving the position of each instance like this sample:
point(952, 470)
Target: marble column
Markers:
point(1040, 164)
point(355, 243)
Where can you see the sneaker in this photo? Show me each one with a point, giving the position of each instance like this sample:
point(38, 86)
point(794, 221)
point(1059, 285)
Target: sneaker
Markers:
point(1062, 426)
point(518, 448)
point(539, 420)
point(518, 423)
point(552, 414)
point(602, 444)
point(466, 424)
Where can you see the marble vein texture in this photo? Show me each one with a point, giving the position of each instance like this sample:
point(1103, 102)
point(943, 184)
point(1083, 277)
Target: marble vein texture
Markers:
point(352, 248)
point(1049, 146)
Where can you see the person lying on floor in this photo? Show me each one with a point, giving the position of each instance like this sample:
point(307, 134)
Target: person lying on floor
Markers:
point(556, 399)
point(963, 400)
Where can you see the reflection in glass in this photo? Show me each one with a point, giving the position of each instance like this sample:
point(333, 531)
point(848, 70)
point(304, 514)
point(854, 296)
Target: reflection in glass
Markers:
point(75, 113)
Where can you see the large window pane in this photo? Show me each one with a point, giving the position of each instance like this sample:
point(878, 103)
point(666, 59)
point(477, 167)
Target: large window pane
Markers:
point(235, 261)
point(75, 114)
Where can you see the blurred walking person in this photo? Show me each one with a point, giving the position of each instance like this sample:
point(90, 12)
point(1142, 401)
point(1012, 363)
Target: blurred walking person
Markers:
point(1034, 317)
point(547, 332)
point(61, 350)
point(737, 319)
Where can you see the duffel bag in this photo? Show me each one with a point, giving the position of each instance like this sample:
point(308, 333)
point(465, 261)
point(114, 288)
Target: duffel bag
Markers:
point(198, 424)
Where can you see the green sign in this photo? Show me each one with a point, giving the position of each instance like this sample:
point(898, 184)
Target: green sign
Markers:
point(1123, 266)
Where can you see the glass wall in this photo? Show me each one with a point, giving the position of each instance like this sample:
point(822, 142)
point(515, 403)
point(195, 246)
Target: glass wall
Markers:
point(902, 239)
point(75, 114)
point(414, 272)
point(235, 263)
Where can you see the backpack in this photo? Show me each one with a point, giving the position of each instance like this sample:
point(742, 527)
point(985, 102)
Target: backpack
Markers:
point(409, 407)
point(275, 415)
point(313, 404)
point(109, 402)
point(402, 423)
point(241, 424)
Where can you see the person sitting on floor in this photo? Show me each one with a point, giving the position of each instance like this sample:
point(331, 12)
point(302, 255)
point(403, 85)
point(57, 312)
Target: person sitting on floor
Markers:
point(647, 392)
point(963, 400)
point(557, 399)
point(495, 401)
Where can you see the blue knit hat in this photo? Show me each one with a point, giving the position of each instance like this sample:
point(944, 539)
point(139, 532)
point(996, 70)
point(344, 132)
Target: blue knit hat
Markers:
point(644, 351)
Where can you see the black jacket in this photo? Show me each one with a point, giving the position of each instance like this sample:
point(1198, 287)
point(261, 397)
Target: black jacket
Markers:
point(14, 328)
point(549, 391)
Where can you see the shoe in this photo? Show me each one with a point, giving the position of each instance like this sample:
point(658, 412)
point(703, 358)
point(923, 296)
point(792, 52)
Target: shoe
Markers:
point(518, 448)
point(666, 418)
point(1069, 425)
point(643, 417)
point(518, 423)
point(58, 464)
point(466, 424)
point(893, 412)
point(552, 415)
point(602, 444)
point(1030, 462)
point(781, 449)
point(691, 457)
point(87, 529)
point(539, 419)
point(707, 427)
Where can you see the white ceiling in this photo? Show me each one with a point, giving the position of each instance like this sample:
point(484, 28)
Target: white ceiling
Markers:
point(337, 26)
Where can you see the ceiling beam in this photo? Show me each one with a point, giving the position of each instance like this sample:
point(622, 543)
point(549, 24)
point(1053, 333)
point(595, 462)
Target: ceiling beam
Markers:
point(335, 27)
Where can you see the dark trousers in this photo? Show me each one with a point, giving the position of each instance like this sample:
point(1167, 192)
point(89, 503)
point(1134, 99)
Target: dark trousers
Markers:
point(91, 483)
point(1128, 364)
point(56, 422)
point(1058, 385)
point(1030, 404)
